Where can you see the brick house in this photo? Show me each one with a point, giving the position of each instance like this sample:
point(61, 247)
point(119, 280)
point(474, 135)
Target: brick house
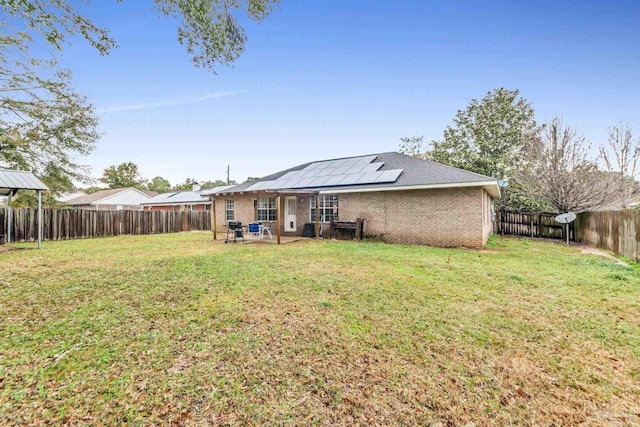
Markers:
point(114, 199)
point(401, 199)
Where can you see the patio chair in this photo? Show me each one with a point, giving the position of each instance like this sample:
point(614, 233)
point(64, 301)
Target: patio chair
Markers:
point(265, 226)
point(254, 231)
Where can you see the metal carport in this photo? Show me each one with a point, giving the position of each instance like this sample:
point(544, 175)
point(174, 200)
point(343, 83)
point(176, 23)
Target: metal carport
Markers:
point(12, 181)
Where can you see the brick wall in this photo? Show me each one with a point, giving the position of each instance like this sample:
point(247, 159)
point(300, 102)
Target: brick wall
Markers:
point(245, 212)
point(437, 217)
point(487, 214)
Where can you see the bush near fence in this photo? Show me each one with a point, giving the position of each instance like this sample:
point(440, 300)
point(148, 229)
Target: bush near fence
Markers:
point(63, 224)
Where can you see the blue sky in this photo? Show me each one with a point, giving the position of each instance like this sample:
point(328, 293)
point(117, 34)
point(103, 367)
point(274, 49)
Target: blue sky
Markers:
point(334, 78)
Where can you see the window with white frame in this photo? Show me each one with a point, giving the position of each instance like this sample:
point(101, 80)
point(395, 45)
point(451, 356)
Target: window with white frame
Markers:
point(328, 208)
point(267, 209)
point(230, 214)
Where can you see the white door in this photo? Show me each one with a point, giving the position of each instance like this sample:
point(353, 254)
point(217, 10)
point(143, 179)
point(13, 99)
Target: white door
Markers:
point(290, 214)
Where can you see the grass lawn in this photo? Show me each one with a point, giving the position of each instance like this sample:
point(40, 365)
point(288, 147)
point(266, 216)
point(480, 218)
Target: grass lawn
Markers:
point(176, 329)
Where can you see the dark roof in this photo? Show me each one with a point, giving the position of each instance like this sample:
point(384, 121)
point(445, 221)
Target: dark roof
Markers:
point(414, 172)
point(19, 180)
point(102, 194)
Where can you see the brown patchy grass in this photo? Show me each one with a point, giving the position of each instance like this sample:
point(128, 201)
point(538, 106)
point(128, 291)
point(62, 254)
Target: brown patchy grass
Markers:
point(175, 329)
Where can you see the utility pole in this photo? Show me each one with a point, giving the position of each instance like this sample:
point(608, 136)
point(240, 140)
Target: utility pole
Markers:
point(228, 179)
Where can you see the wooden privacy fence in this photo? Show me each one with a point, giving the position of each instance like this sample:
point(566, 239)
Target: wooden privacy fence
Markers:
point(63, 224)
point(617, 231)
point(532, 225)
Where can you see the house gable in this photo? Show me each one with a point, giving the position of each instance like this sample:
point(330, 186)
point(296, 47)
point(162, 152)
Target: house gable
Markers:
point(128, 197)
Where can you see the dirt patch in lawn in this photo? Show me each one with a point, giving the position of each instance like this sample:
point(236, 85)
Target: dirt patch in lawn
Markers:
point(587, 250)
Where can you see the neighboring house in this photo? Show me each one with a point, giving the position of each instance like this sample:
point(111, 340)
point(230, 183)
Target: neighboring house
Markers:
point(114, 199)
point(402, 199)
point(178, 200)
point(64, 197)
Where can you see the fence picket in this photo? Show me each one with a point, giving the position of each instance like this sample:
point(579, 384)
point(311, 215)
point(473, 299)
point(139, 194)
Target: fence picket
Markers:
point(530, 224)
point(64, 224)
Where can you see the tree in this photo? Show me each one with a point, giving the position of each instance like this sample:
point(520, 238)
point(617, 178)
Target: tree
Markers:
point(622, 152)
point(121, 176)
point(556, 168)
point(44, 123)
point(159, 185)
point(209, 29)
point(92, 189)
point(187, 184)
point(488, 135)
point(621, 156)
point(190, 182)
point(412, 146)
point(251, 179)
point(217, 183)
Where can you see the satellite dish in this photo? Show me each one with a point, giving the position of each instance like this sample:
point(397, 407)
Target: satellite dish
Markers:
point(566, 218)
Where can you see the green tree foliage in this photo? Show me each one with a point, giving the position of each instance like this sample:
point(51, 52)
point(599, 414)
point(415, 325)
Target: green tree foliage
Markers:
point(159, 185)
point(44, 124)
point(122, 176)
point(209, 29)
point(488, 136)
point(187, 184)
point(93, 189)
point(190, 182)
point(412, 146)
point(252, 178)
point(216, 183)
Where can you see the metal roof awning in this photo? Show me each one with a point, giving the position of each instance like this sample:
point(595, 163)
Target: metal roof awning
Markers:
point(12, 180)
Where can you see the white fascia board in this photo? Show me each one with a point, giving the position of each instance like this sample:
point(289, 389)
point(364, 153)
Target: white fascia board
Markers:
point(491, 187)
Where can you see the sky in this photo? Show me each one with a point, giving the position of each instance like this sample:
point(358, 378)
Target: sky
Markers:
point(327, 79)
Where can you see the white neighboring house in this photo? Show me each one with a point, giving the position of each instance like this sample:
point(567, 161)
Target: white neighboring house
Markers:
point(62, 198)
point(114, 199)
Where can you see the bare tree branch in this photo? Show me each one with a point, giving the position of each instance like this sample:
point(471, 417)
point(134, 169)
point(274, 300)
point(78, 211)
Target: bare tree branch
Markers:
point(557, 168)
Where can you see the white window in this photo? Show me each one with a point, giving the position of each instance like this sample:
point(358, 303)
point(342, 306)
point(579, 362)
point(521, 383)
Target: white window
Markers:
point(230, 210)
point(267, 209)
point(328, 208)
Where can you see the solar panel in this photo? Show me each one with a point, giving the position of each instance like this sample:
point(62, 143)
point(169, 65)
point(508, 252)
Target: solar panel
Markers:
point(320, 181)
point(389, 176)
point(351, 178)
point(358, 170)
point(368, 177)
point(372, 167)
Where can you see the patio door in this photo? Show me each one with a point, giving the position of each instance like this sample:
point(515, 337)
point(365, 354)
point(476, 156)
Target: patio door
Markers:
point(290, 213)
